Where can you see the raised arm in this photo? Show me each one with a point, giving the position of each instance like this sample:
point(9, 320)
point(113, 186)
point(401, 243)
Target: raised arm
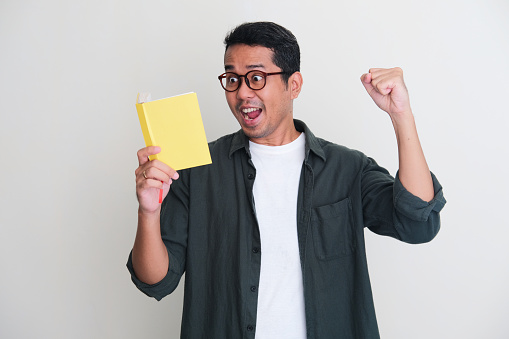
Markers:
point(149, 255)
point(387, 89)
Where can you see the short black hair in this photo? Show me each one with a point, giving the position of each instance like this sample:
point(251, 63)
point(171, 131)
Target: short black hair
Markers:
point(272, 36)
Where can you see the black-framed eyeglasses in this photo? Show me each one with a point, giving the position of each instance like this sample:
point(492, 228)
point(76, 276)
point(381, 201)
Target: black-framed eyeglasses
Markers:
point(254, 79)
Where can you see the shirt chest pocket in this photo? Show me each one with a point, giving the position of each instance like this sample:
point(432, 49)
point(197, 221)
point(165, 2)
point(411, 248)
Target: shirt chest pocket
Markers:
point(333, 230)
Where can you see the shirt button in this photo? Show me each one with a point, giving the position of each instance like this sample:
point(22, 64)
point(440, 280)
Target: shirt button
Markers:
point(250, 176)
point(256, 250)
point(250, 328)
point(253, 288)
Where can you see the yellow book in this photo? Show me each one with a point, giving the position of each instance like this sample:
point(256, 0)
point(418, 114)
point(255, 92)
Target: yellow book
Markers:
point(175, 125)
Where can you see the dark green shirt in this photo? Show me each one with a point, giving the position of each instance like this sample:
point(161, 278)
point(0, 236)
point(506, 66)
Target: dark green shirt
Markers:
point(209, 226)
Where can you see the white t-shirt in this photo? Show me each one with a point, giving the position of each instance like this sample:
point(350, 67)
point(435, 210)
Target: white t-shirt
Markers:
point(280, 312)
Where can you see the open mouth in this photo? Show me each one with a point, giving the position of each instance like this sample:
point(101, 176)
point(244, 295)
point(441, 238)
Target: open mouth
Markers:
point(251, 113)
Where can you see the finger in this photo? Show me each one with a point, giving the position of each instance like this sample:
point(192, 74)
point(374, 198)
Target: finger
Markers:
point(385, 82)
point(163, 167)
point(145, 163)
point(367, 82)
point(152, 174)
point(166, 169)
point(145, 152)
point(149, 187)
point(375, 72)
point(156, 174)
point(366, 78)
point(143, 184)
point(151, 183)
point(383, 86)
point(378, 73)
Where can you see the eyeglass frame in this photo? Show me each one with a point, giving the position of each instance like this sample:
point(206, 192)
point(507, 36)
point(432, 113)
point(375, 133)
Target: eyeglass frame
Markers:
point(265, 74)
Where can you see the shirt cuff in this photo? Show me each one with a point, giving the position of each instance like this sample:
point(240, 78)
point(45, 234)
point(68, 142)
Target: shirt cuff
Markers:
point(157, 290)
point(414, 207)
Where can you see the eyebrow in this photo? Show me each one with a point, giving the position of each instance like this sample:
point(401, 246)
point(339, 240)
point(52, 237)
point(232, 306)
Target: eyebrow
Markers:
point(230, 67)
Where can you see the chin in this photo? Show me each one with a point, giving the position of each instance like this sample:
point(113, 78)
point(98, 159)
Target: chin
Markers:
point(250, 132)
point(253, 133)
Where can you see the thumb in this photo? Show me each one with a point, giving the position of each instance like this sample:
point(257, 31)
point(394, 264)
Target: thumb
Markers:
point(366, 78)
point(366, 82)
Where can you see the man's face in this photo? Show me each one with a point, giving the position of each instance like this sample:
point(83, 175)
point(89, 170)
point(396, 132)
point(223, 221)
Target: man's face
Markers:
point(265, 115)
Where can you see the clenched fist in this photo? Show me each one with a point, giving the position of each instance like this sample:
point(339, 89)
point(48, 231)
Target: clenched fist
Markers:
point(387, 89)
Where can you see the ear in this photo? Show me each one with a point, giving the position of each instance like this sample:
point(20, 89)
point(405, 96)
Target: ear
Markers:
point(295, 82)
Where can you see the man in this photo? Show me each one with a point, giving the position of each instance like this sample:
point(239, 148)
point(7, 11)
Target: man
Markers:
point(271, 235)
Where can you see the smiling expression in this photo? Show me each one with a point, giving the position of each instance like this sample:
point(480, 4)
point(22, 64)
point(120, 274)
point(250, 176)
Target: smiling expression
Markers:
point(266, 115)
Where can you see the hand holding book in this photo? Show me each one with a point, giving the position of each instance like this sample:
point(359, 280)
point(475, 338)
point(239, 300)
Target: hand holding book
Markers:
point(153, 180)
point(175, 125)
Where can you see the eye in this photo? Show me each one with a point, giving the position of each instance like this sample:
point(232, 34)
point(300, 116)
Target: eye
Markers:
point(232, 79)
point(256, 78)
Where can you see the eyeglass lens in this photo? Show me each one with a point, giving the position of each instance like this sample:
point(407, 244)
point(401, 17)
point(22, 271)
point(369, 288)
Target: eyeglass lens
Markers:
point(254, 80)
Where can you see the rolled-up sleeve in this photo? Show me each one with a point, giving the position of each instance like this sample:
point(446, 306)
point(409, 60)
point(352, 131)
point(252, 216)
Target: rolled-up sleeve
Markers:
point(416, 220)
point(390, 209)
point(163, 287)
point(414, 207)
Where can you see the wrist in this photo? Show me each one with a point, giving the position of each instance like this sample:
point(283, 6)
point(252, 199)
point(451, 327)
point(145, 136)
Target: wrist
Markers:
point(403, 121)
point(149, 215)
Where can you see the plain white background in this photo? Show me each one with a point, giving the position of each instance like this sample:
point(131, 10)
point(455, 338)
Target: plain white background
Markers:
point(69, 132)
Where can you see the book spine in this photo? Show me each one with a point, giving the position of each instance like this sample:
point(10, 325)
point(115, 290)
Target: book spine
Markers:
point(148, 136)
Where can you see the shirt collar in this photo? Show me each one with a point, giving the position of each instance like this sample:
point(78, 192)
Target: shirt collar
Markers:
point(240, 140)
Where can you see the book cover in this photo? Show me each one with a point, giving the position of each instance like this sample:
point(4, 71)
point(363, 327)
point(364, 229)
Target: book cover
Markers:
point(175, 125)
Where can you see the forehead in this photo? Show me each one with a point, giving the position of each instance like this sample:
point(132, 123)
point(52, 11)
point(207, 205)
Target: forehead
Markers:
point(240, 57)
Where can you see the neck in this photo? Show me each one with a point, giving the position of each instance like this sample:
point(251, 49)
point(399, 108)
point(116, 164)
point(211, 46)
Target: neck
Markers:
point(278, 139)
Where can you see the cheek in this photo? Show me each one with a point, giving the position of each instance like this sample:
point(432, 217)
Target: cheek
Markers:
point(277, 105)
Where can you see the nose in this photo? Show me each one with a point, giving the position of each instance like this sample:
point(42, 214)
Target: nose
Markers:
point(244, 91)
